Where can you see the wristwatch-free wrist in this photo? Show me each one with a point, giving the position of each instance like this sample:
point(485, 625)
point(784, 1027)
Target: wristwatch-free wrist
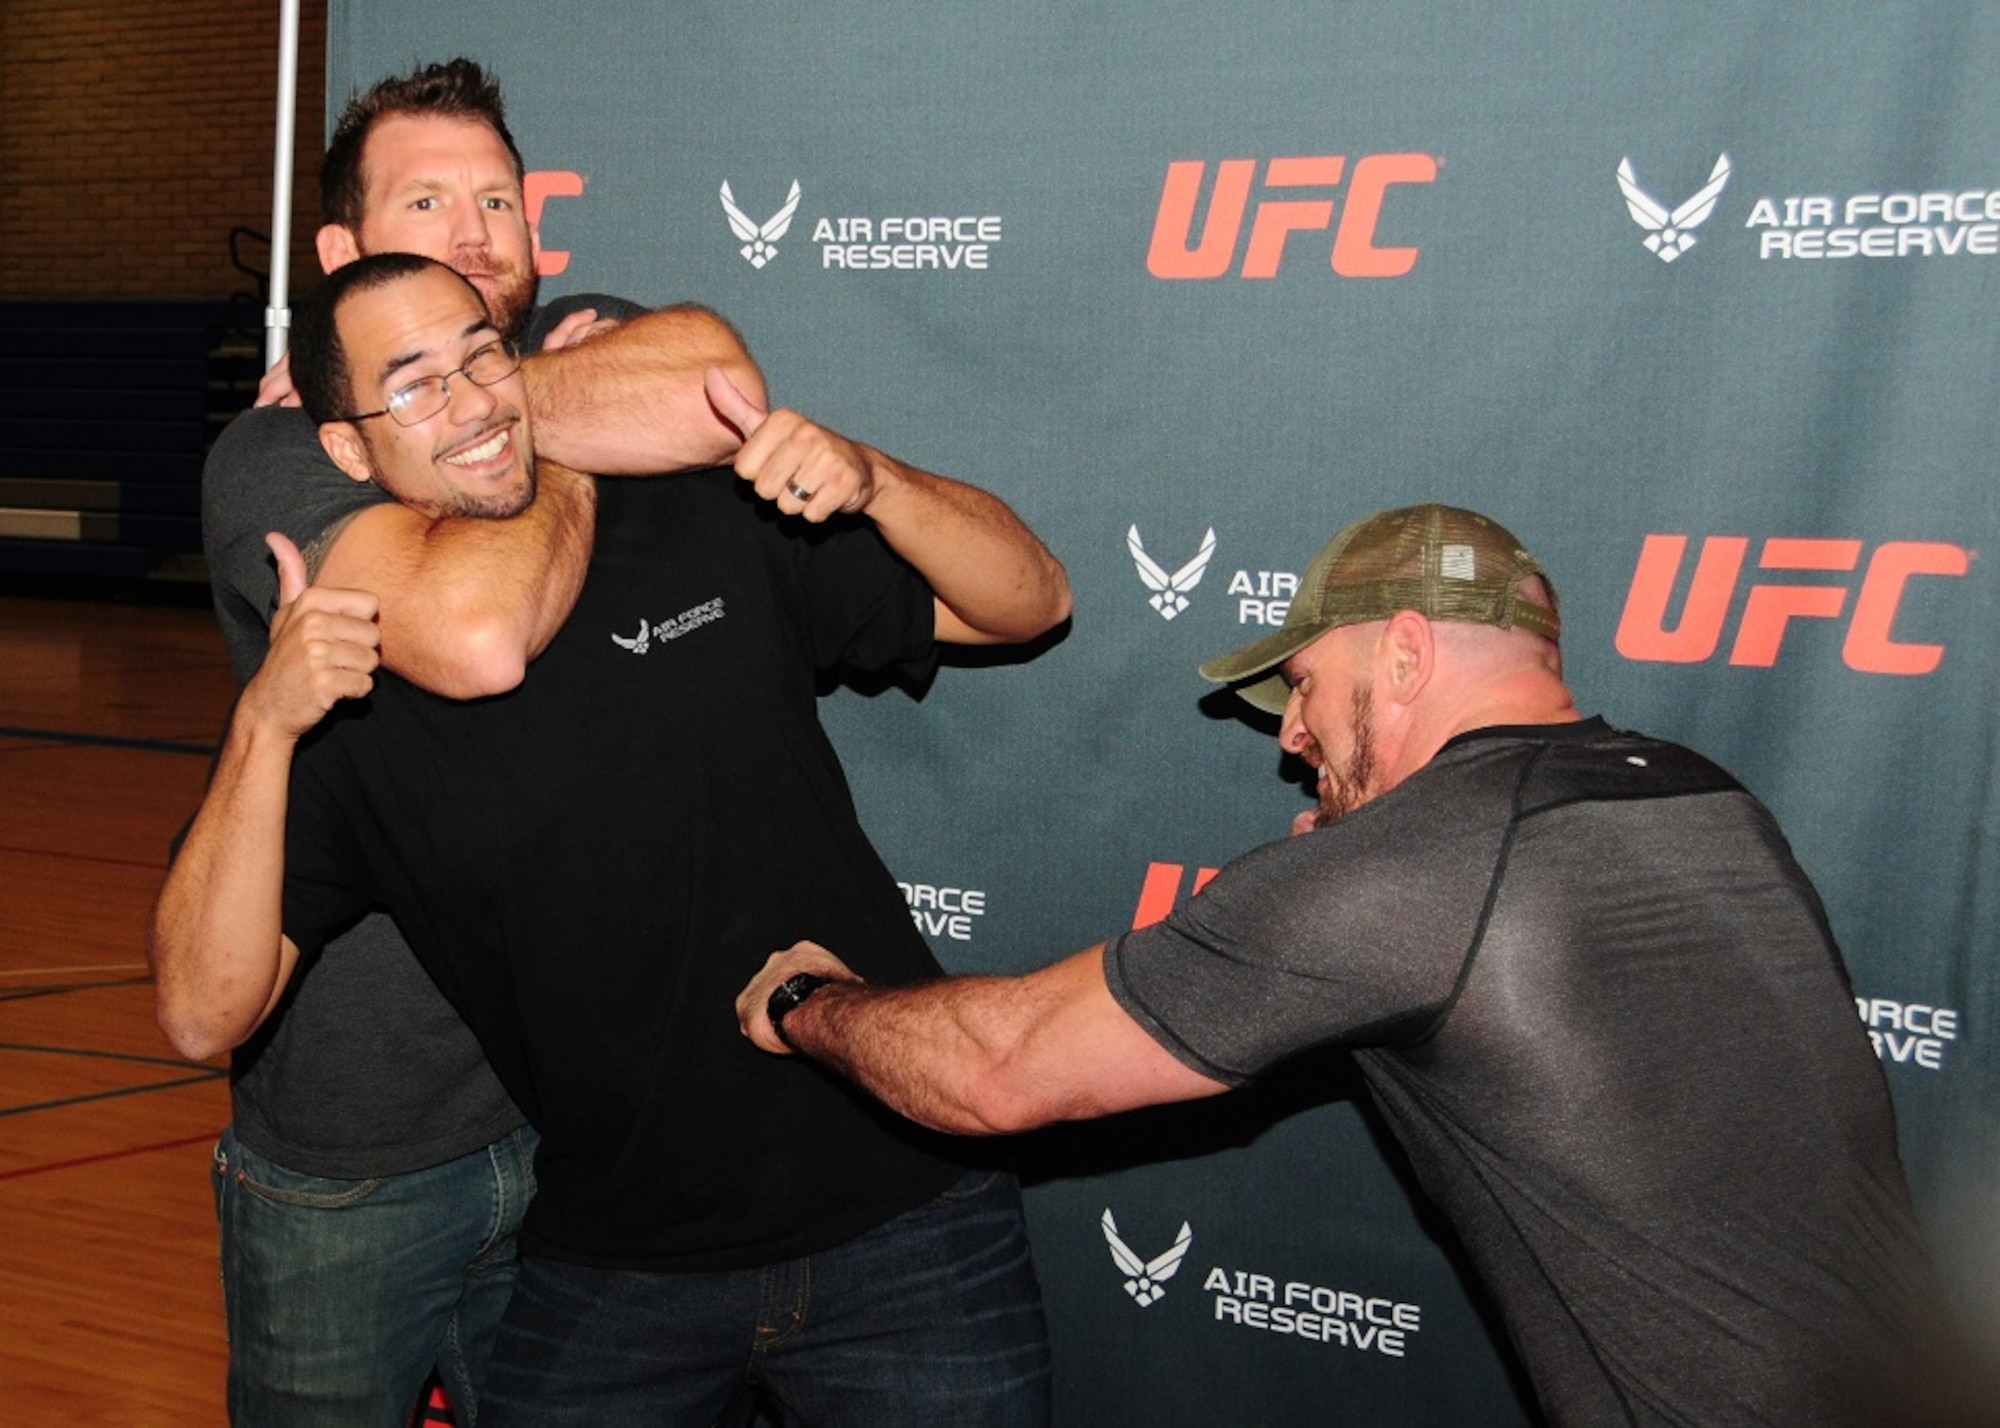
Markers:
point(787, 996)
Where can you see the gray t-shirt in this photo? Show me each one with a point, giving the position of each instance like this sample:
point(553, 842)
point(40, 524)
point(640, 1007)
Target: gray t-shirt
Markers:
point(365, 1069)
point(1599, 1004)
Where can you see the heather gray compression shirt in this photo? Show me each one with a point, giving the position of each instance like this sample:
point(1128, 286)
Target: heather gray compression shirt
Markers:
point(1600, 1006)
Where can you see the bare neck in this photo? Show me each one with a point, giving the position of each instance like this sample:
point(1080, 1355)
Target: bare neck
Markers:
point(1527, 695)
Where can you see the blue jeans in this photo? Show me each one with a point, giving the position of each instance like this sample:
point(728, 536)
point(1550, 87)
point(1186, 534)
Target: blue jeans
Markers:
point(343, 1295)
point(934, 1318)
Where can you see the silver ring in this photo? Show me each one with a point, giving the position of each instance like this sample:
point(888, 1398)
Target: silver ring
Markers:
point(798, 491)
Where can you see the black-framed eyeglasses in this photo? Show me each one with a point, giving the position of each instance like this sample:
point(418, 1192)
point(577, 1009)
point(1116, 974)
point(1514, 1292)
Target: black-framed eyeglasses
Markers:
point(427, 396)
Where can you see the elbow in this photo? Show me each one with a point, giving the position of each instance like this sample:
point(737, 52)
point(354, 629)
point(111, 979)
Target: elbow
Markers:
point(191, 1041)
point(203, 1011)
point(1060, 600)
point(484, 656)
point(1029, 610)
point(494, 675)
point(986, 1112)
point(201, 1025)
point(1043, 605)
point(190, 1027)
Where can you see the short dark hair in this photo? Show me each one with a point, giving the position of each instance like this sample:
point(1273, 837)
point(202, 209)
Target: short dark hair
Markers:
point(456, 89)
point(319, 362)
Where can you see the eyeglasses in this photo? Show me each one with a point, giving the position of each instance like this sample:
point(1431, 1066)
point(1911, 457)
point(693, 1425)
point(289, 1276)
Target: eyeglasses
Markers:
point(427, 396)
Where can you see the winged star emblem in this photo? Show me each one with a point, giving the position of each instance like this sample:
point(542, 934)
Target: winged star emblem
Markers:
point(1145, 1277)
point(1667, 234)
point(760, 240)
point(638, 643)
point(1169, 591)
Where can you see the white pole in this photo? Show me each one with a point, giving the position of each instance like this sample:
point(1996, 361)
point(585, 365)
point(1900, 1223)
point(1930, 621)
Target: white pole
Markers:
point(278, 316)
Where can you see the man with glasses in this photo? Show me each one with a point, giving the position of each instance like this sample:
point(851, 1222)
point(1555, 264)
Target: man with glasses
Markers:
point(376, 1171)
point(590, 864)
point(374, 1175)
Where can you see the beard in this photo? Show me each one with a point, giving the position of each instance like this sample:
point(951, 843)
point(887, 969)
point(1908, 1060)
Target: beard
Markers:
point(507, 289)
point(492, 505)
point(1344, 787)
point(512, 298)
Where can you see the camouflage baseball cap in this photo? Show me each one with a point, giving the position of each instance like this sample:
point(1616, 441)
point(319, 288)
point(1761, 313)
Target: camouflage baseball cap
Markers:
point(1440, 561)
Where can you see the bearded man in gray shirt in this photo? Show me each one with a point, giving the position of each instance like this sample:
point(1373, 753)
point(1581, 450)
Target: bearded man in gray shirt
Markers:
point(1591, 990)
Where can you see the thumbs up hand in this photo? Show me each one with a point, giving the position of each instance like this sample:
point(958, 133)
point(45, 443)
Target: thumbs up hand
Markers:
point(805, 468)
point(325, 644)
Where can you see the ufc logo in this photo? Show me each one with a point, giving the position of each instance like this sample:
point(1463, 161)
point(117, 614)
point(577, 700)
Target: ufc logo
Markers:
point(1769, 609)
point(1355, 254)
point(538, 186)
point(1160, 890)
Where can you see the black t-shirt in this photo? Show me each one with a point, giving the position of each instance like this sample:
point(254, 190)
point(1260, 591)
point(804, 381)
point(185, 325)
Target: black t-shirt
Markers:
point(592, 865)
point(1601, 1007)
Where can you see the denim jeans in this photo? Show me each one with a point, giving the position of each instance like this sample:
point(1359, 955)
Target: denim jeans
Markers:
point(934, 1318)
point(343, 1295)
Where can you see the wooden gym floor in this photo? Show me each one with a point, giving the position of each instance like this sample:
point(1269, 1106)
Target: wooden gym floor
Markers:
point(110, 1310)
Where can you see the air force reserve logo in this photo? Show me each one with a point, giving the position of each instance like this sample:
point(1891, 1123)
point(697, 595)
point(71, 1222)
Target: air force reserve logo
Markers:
point(1671, 234)
point(1145, 1279)
point(1169, 591)
point(651, 635)
point(760, 240)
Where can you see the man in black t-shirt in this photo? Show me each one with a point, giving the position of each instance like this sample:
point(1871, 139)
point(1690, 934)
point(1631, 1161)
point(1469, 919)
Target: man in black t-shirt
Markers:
point(589, 865)
point(1589, 987)
point(370, 1186)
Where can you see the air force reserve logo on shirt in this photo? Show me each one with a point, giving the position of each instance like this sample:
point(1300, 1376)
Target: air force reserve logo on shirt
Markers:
point(1146, 1278)
point(707, 612)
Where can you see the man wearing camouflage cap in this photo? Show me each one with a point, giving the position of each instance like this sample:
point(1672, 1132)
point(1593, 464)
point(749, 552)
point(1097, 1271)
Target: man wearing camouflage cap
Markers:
point(1591, 991)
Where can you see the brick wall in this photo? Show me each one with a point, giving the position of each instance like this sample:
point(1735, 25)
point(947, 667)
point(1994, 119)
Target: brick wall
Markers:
point(134, 134)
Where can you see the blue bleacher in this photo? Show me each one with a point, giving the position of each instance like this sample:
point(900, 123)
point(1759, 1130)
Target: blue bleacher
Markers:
point(107, 408)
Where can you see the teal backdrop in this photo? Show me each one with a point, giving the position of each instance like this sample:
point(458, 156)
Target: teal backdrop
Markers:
point(1698, 298)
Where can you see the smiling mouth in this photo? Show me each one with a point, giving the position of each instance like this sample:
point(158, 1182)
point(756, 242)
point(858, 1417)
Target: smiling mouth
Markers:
point(490, 448)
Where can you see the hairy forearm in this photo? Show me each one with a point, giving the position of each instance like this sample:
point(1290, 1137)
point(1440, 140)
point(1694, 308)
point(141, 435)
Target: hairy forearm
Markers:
point(467, 603)
point(996, 583)
point(630, 401)
point(217, 939)
point(990, 1055)
point(938, 1053)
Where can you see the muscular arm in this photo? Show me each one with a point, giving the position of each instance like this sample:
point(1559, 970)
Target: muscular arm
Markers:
point(977, 1055)
point(993, 579)
point(630, 400)
point(467, 603)
point(220, 958)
